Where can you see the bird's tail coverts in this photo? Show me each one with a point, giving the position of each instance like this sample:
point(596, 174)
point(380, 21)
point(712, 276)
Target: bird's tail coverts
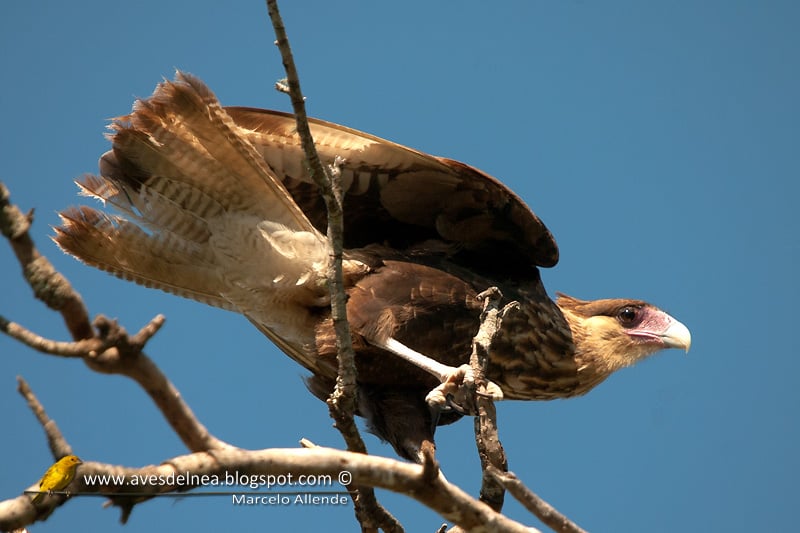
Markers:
point(194, 196)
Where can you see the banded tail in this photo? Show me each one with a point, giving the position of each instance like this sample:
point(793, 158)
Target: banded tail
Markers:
point(201, 213)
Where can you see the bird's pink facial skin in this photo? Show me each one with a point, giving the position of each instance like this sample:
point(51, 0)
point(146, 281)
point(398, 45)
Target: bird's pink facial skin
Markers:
point(659, 328)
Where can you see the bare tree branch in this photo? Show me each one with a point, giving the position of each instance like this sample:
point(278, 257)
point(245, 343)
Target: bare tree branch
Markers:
point(532, 502)
point(48, 285)
point(48, 346)
point(490, 449)
point(106, 347)
point(342, 403)
point(185, 472)
point(83, 348)
point(58, 444)
point(487, 440)
point(343, 399)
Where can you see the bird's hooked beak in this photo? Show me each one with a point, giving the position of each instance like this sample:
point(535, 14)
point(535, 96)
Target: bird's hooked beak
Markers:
point(677, 336)
point(673, 335)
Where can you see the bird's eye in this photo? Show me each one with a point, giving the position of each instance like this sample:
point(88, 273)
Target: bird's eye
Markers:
point(628, 315)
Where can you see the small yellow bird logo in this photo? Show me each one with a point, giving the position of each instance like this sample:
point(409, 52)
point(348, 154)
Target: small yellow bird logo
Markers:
point(58, 476)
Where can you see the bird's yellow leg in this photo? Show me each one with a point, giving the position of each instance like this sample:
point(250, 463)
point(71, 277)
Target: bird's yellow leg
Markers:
point(454, 380)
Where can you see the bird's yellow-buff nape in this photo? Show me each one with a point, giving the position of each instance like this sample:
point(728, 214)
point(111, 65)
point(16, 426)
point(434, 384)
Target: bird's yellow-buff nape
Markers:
point(58, 476)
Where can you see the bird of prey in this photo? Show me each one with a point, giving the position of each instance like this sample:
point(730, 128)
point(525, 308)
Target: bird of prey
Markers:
point(216, 204)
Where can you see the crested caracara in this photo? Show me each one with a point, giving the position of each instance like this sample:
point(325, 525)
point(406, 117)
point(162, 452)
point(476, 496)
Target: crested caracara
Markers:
point(215, 204)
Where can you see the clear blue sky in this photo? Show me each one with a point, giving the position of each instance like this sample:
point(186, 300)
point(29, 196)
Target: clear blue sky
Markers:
point(659, 142)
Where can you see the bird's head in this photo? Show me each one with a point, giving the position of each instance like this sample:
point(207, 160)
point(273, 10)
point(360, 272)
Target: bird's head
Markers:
point(614, 333)
point(70, 460)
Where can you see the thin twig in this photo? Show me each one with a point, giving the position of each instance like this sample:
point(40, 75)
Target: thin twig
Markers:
point(370, 514)
point(48, 285)
point(306, 443)
point(148, 331)
point(41, 344)
point(535, 504)
point(78, 349)
point(55, 439)
point(291, 86)
point(344, 395)
point(430, 466)
point(490, 449)
point(113, 352)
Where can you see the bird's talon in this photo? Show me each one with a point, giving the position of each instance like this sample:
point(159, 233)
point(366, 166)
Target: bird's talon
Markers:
point(491, 391)
point(436, 399)
point(454, 393)
point(453, 406)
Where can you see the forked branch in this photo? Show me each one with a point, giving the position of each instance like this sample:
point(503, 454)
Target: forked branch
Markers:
point(107, 348)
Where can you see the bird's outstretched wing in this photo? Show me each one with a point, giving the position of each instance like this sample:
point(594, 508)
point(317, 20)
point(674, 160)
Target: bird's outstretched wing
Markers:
point(402, 197)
